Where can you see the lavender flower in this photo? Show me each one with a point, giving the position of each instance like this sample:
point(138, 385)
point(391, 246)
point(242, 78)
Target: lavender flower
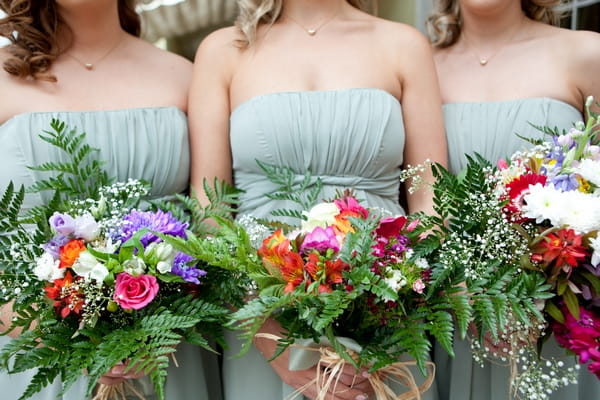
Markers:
point(62, 224)
point(54, 245)
point(158, 221)
point(565, 183)
point(188, 273)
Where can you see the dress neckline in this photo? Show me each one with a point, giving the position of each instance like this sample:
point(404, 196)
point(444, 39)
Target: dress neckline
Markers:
point(520, 100)
point(110, 111)
point(258, 97)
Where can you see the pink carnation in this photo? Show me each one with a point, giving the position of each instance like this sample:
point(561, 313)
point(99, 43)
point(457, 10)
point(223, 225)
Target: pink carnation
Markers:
point(135, 292)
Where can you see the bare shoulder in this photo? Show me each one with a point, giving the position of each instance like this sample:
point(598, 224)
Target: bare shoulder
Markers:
point(220, 47)
point(163, 63)
point(401, 39)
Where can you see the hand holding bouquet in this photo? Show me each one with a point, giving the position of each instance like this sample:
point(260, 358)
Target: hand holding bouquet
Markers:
point(96, 281)
point(354, 282)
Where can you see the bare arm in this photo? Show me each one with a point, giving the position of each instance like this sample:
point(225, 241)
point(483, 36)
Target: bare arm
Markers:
point(585, 57)
point(209, 111)
point(423, 119)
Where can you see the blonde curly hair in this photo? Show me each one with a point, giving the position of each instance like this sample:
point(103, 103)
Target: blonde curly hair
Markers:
point(444, 23)
point(252, 13)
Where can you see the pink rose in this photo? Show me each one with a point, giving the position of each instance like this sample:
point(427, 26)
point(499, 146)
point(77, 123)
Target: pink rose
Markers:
point(135, 292)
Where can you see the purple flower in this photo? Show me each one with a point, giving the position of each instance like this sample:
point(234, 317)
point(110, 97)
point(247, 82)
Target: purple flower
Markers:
point(320, 240)
point(63, 224)
point(565, 183)
point(188, 273)
point(158, 221)
point(54, 245)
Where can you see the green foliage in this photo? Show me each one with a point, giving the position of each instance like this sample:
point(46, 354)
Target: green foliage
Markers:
point(303, 191)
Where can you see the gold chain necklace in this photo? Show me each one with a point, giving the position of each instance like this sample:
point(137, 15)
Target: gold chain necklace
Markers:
point(90, 66)
point(483, 61)
point(315, 30)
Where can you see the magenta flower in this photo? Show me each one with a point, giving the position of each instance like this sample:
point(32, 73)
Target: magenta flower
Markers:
point(391, 227)
point(135, 292)
point(320, 240)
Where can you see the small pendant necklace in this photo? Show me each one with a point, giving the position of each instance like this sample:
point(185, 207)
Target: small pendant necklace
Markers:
point(315, 30)
point(483, 61)
point(90, 66)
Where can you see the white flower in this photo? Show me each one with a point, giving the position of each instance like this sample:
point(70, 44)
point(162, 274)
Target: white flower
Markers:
point(595, 244)
point(581, 212)
point(163, 266)
point(163, 254)
point(422, 263)
point(134, 266)
point(544, 202)
point(396, 281)
point(108, 246)
point(99, 273)
point(322, 215)
point(590, 171)
point(89, 267)
point(47, 269)
point(86, 227)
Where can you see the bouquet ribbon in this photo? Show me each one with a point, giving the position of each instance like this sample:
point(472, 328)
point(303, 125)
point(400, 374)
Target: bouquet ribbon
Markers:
point(327, 359)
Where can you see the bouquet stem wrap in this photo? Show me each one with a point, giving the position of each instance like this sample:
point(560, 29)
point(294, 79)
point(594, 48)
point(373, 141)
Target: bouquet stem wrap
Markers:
point(120, 391)
point(333, 363)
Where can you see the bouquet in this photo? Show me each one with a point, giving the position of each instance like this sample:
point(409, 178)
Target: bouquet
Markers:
point(532, 225)
point(350, 281)
point(95, 280)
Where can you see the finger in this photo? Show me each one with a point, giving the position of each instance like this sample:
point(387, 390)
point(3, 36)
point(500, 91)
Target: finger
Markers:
point(109, 381)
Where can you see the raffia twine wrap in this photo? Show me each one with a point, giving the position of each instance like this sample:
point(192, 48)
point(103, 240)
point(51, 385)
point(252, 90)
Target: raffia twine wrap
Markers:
point(120, 391)
point(305, 354)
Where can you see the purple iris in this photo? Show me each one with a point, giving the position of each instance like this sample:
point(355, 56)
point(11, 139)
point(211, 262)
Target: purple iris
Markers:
point(320, 240)
point(155, 221)
point(565, 183)
point(188, 273)
point(54, 245)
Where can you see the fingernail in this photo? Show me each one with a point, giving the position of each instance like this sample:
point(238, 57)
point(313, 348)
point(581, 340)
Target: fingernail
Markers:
point(361, 397)
point(365, 374)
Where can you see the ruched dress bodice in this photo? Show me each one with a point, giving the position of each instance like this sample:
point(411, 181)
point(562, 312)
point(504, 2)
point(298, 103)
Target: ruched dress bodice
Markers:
point(492, 129)
point(350, 138)
point(142, 143)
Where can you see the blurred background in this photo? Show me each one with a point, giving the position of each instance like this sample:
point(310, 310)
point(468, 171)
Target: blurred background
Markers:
point(180, 25)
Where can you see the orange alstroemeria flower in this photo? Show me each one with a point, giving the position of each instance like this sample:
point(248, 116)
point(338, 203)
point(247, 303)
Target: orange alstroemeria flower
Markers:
point(292, 271)
point(562, 249)
point(69, 252)
point(67, 297)
point(273, 252)
point(327, 272)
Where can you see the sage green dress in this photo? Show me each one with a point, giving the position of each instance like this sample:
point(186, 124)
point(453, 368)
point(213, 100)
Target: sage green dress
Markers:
point(350, 138)
point(490, 129)
point(146, 143)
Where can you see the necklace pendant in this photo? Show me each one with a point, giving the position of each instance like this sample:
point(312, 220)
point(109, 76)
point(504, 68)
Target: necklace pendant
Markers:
point(311, 32)
point(88, 66)
point(483, 62)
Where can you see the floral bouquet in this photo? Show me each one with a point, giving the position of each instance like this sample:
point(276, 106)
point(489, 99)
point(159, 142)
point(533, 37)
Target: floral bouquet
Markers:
point(348, 285)
point(530, 225)
point(96, 281)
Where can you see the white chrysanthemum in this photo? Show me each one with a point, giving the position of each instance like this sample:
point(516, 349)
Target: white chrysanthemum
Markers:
point(589, 170)
point(581, 212)
point(47, 269)
point(595, 244)
point(322, 215)
point(544, 203)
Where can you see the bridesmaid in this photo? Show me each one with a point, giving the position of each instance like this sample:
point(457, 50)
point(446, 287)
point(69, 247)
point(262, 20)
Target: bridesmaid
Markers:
point(315, 85)
point(501, 66)
point(83, 62)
